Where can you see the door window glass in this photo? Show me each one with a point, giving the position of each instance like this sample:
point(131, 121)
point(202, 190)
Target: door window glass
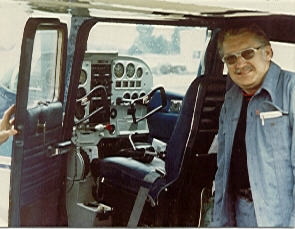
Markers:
point(44, 67)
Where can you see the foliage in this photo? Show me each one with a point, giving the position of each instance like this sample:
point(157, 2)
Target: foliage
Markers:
point(147, 42)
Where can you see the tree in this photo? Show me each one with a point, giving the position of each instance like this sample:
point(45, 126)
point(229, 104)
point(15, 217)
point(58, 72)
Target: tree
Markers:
point(146, 42)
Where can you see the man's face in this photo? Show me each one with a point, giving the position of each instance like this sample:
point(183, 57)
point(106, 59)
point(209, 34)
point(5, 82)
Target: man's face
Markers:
point(247, 74)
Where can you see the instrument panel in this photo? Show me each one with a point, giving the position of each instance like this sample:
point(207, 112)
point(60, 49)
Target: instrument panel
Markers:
point(132, 78)
point(104, 78)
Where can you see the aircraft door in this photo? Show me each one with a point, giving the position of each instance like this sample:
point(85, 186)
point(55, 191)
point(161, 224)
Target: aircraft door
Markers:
point(38, 155)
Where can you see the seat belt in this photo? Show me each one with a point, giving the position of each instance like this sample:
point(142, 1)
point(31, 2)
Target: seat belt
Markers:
point(141, 198)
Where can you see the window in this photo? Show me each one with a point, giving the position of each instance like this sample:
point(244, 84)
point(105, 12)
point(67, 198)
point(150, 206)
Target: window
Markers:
point(44, 66)
point(284, 55)
point(172, 52)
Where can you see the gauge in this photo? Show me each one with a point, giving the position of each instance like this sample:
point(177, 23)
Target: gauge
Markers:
point(139, 72)
point(130, 70)
point(81, 92)
point(83, 77)
point(126, 95)
point(119, 70)
point(134, 95)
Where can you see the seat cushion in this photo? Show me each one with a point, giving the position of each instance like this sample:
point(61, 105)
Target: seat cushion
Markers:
point(125, 172)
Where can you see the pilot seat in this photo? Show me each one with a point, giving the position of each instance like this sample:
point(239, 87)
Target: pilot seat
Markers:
point(156, 193)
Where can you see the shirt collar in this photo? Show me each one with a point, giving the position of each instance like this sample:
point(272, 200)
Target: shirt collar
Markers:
point(270, 81)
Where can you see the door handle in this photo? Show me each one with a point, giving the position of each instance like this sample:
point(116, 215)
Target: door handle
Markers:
point(59, 148)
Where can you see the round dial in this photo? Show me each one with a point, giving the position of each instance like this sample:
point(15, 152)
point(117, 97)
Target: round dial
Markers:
point(126, 95)
point(134, 95)
point(83, 77)
point(130, 70)
point(119, 70)
point(139, 72)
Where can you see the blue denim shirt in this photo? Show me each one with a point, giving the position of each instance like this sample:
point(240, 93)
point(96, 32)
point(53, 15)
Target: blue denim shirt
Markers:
point(270, 148)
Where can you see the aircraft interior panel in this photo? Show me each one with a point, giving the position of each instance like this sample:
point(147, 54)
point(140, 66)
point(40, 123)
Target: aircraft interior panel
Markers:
point(106, 106)
point(132, 79)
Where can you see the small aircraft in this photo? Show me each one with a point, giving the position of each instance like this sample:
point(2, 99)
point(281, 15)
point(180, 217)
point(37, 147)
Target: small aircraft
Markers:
point(117, 106)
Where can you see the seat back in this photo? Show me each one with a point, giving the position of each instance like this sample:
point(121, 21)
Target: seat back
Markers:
point(178, 140)
point(197, 123)
point(189, 167)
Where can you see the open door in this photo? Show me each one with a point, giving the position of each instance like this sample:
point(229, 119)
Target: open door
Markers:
point(38, 165)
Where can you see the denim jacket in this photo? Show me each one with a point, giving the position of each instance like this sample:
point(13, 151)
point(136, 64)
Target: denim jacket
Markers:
point(270, 144)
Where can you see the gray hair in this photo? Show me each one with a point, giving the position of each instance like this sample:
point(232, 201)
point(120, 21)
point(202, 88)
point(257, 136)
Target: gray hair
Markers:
point(259, 34)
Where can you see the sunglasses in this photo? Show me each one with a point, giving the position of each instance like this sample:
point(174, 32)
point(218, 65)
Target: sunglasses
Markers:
point(247, 54)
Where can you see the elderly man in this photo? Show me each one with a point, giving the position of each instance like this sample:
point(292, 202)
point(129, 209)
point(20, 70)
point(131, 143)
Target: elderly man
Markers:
point(6, 125)
point(254, 183)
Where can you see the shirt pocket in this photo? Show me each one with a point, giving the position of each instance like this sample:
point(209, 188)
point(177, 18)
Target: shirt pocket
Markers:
point(276, 135)
point(278, 138)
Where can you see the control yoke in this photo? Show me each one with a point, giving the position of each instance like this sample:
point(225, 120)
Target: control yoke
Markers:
point(144, 100)
point(89, 96)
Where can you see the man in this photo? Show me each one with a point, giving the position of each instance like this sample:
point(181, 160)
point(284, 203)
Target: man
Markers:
point(6, 124)
point(254, 183)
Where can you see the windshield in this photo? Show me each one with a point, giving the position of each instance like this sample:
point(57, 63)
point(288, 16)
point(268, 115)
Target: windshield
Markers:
point(173, 53)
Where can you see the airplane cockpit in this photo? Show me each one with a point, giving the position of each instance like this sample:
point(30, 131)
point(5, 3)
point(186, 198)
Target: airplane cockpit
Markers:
point(114, 152)
point(112, 99)
point(117, 109)
point(110, 120)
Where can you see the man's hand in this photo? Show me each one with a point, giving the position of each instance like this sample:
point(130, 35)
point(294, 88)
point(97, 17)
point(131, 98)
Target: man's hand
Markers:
point(7, 124)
